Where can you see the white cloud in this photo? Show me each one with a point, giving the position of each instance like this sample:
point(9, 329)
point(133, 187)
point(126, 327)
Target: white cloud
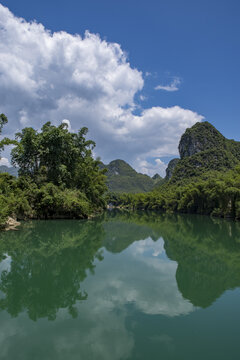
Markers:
point(142, 97)
point(53, 76)
point(149, 168)
point(66, 121)
point(4, 161)
point(173, 86)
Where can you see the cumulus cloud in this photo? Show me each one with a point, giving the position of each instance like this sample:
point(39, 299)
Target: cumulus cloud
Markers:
point(149, 168)
point(4, 161)
point(67, 122)
point(173, 86)
point(53, 76)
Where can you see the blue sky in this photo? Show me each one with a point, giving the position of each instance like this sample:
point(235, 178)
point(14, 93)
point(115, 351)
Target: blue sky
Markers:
point(189, 47)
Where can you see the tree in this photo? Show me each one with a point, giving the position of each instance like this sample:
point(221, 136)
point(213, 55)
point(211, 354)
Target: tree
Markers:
point(26, 154)
point(63, 158)
point(3, 121)
point(5, 141)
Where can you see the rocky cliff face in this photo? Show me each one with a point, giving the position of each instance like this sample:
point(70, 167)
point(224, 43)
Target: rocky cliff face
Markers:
point(171, 166)
point(203, 149)
point(189, 146)
point(200, 137)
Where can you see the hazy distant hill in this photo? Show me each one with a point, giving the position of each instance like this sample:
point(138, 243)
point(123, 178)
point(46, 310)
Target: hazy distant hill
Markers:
point(121, 177)
point(11, 170)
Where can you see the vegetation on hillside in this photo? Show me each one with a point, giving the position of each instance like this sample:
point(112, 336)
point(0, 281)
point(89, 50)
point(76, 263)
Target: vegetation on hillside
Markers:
point(121, 177)
point(206, 180)
point(58, 176)
point(202, 148)
point(218, 195)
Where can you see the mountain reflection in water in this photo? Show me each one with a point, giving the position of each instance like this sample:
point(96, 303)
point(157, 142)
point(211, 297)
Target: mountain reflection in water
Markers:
point(122, 286)
point(49, 260)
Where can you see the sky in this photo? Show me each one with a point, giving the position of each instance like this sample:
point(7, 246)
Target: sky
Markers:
point(136, 73)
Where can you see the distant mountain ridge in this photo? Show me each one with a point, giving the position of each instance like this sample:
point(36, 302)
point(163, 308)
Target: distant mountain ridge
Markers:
point(121, 177)
point(203, 148)
point(11, 170)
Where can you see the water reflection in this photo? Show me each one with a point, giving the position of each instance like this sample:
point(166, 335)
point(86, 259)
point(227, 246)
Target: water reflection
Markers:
point(47, 263)
point(45, 266)
point(206, 250)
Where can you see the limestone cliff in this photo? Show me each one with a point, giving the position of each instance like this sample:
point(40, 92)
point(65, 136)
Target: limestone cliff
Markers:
point(171, 166)
point(202, 149)
point(200, 137)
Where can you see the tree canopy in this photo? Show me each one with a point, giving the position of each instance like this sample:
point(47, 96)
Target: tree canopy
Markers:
point(58, 176)
point(60, 157)
point(5, 141)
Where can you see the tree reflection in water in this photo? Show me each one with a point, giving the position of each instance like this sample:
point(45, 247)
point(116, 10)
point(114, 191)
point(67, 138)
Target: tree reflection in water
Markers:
point(50, 260)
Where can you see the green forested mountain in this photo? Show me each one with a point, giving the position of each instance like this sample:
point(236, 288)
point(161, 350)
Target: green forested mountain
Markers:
point(121, 177)
point(58, 176)
point(205, 180)
point(202, 149)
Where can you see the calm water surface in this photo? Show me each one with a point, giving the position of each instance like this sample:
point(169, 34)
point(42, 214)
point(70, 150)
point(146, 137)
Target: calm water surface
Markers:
point(123, 286)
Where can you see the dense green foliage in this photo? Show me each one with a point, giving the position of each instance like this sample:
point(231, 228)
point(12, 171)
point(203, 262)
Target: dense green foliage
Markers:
point(58, 176)
point(200, 137)
point(3, 205)
point(121, 177)
point(3, 121)
point(5, 141)
point(205, 180)
point(203, 162)
point(218, 195)
point(202, 148)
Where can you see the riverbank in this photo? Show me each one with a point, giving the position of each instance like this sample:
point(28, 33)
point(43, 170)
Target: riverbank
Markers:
point(10, 224)
point(13, 224)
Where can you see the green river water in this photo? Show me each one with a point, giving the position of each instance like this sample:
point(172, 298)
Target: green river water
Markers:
point(122, 286)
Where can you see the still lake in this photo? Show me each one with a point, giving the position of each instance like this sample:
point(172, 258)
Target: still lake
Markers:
point(121, 286)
